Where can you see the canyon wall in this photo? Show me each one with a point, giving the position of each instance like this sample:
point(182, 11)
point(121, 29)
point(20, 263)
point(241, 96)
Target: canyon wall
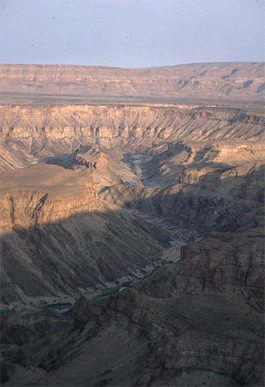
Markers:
point(29, 133)
point(63, 122)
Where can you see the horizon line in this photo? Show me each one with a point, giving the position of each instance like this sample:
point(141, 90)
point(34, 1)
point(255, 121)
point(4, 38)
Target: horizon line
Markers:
point(131, 68)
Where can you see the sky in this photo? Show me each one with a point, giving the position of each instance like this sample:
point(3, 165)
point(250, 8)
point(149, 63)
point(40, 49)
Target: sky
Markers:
point(131, 33)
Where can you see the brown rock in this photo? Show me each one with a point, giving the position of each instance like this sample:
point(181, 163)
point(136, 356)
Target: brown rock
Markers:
point(83, 312)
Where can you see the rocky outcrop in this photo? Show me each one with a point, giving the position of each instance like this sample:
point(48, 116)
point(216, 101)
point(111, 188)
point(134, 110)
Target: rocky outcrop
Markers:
point(225, 263)
point(34, 339)
point(83, 312)
point(215, 203)
point(43, 194)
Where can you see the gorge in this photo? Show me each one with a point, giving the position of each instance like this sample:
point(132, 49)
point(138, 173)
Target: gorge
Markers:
point(132, 225)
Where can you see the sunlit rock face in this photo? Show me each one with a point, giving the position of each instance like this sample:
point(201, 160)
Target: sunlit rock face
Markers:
point(30, 133)
point(158, 121)
point(43, 194)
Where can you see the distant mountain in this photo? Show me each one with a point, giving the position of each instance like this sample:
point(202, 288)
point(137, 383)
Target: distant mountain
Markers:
point(241, 81)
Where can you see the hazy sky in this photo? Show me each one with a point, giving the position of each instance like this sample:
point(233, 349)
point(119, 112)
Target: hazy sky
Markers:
point(131, 33)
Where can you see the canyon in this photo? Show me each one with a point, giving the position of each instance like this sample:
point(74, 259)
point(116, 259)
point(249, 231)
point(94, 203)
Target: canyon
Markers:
point(132, 225)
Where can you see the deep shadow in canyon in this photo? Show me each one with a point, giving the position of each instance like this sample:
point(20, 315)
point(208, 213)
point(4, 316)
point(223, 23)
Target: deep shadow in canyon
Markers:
point(201, 317)
point(82, 257)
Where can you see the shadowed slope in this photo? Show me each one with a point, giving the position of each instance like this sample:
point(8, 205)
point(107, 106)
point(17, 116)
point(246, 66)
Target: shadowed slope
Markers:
point(197, 322)
point(59, 237)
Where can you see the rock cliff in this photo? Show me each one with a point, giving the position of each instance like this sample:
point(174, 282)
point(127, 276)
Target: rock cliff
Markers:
point(31, 133)
point(43, 194)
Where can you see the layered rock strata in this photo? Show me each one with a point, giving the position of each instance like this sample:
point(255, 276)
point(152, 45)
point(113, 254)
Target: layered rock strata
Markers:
point(225, 80)
point(31, 133)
